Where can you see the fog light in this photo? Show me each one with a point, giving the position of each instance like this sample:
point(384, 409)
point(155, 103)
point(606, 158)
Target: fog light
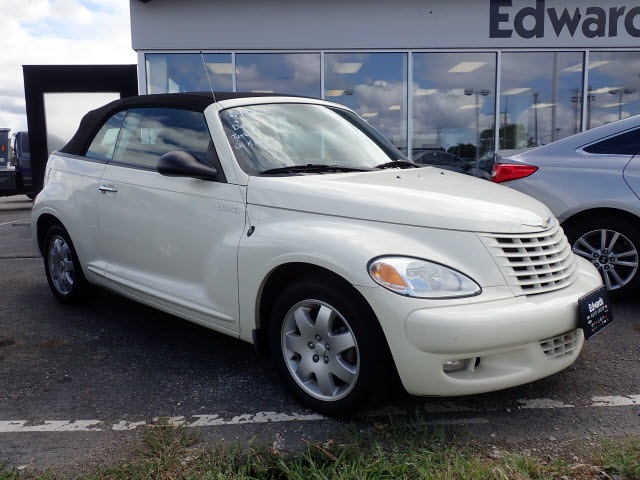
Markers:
point(455, 365)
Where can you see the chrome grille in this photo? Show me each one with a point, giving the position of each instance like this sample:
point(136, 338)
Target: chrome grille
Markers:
point(561, 345)
point(534, 262)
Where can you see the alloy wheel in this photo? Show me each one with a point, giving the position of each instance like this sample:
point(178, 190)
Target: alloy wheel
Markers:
point(612, 253)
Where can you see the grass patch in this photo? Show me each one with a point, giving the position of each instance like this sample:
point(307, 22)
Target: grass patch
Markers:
point(395, 449)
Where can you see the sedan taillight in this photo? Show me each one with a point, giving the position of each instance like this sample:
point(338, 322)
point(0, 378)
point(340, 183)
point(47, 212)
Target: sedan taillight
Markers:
point(504, 172)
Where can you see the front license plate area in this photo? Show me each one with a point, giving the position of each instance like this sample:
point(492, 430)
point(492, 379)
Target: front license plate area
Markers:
point(594, 312)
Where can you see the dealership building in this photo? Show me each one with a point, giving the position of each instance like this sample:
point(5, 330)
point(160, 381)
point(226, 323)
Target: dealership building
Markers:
point(470, 76)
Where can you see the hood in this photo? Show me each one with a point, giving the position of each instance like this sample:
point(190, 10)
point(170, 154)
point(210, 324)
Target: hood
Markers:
point(424, 197)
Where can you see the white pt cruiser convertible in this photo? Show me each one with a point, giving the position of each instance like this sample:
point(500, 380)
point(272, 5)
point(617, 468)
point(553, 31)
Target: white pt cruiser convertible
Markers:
point(292, 224)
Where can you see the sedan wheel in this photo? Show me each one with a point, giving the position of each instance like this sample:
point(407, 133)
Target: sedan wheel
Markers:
point(613, 248)
point(328, 347)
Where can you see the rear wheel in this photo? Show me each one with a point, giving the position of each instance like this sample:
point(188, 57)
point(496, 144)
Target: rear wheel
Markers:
point(326, 347)
point(612, 245)
point(63, 270)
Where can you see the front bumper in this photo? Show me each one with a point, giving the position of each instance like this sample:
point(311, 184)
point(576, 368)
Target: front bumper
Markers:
point(505, 340)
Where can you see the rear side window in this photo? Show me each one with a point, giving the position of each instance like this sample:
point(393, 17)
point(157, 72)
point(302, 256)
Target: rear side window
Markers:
point(149, 133)
point(627, 143)
point(104, 143)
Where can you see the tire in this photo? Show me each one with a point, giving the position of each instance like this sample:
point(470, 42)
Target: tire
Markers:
point(63, 270)
point(612, 245)
point(327, 348)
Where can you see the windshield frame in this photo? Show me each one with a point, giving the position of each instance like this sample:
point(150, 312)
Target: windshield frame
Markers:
point(385, 151)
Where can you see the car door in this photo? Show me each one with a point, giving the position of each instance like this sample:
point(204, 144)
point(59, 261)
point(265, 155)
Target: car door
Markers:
point(170, 242)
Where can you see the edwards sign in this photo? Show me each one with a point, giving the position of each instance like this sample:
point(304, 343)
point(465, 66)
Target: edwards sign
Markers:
point(584, 20)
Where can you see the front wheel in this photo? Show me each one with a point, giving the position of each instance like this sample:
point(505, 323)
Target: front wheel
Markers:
point(62, 267)
point(612, 245)
point(326, 347)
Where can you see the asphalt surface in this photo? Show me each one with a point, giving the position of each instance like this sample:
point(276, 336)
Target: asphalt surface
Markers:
point(77, 383)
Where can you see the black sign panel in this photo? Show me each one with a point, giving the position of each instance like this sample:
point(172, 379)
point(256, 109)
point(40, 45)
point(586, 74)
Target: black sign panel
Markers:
point(594, 312)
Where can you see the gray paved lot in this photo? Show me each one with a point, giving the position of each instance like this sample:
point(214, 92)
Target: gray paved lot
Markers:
point(76, 383)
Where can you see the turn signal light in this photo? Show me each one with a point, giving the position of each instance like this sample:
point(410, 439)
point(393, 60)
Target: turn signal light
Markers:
point(386, 275)
point(504, 172)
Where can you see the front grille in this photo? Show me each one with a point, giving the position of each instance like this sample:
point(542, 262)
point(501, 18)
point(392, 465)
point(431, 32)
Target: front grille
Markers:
point(561, 345)
point(534, 262)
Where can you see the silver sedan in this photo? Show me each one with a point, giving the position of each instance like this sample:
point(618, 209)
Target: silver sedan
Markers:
point(591, 182)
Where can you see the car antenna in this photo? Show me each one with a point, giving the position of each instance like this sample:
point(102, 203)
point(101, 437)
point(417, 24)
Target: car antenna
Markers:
point(206, 71)
point(242, 194)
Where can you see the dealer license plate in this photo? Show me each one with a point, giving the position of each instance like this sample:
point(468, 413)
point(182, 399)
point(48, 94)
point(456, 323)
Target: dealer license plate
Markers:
point(594, 311)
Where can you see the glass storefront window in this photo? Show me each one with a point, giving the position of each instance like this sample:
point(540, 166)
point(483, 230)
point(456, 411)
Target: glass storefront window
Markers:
point(290, 73)
point(454, 93)
point(540, 98)
point(614, 87)
point(454, 105)
point(185, 72)
point(375, 86)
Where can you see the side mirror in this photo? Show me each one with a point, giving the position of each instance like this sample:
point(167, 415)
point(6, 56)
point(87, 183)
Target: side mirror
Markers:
point(183, 164)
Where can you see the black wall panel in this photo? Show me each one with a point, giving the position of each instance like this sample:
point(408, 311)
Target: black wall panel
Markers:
point(41, 79)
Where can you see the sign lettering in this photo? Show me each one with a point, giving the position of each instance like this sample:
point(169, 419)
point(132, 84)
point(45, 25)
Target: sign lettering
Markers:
point(591, 22)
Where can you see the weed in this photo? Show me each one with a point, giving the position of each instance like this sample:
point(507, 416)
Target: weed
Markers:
point(622, 459)
point(403, 449)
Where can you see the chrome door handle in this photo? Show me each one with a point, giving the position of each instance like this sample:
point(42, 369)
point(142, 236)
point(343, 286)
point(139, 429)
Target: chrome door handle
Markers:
point(107, 188)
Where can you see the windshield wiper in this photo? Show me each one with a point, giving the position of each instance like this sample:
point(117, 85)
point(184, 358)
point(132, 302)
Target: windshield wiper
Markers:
point(397, 164)
point(312, 168)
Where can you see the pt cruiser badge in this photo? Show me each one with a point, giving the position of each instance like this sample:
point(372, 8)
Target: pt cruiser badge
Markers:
point(540, 224)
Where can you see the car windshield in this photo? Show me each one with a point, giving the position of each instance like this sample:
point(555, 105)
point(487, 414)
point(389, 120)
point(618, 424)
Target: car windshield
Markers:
point(272, 138)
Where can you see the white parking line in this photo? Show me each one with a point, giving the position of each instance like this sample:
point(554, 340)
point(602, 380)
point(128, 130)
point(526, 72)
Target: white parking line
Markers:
point(196, 421)
point(14, 426)
point(543, 403)
point(619, 401)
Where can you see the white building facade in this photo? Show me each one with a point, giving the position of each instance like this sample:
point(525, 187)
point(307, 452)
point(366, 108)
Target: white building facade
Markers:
point(467, 76)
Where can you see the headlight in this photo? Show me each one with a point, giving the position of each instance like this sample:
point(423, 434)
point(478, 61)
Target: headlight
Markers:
point(419, 278)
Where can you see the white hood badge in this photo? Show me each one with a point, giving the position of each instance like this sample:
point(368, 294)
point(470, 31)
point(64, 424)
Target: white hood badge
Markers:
point(541, 223)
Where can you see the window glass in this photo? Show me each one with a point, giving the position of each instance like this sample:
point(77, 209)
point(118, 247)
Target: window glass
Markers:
point(624, 144)
point(185, 72)
point(265, 137)
point(103, 144)
point(375, 86)
point(149, 133)
point(614, 87)
point(440, 159)
point(24, 145)
point(454, 105)
point(290, 73)
point(540, 99)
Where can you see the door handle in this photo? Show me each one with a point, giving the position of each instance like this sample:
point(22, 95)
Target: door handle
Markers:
point(107, 188)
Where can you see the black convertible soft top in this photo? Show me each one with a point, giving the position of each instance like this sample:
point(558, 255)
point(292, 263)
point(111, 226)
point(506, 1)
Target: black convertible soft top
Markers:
point(195, 101)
